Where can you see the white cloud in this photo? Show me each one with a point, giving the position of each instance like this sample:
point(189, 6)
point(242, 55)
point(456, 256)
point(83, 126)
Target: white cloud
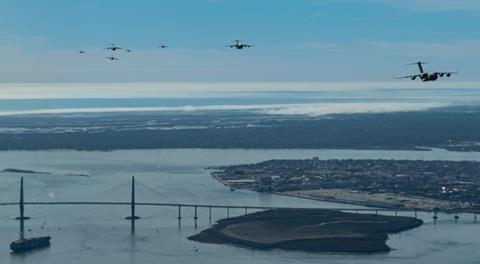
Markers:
point(351, 108)
point(273, 109)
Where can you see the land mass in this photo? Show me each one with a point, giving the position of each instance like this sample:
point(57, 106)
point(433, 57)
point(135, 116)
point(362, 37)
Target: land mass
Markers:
point(411, 184)
point(450, 128)
point(312, 230)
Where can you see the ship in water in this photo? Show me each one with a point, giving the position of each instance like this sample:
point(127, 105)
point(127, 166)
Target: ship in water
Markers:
point(27, 244)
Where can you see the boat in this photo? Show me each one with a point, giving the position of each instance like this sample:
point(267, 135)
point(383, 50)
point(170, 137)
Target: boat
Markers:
point(27, 244)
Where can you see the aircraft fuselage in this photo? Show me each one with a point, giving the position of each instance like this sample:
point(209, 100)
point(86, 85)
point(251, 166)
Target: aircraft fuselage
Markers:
point(429, 77)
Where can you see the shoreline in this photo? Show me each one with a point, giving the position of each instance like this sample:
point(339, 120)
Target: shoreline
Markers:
point(372, 205)
point(308, 230)
point(358, 203)
point(220, 180)
point(104, 150)
point(272, 148)
point(333, 200)
point(393, 184)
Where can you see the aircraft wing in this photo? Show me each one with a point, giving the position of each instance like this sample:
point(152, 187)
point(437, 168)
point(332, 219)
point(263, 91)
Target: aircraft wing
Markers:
point(409, 77)
point(447, 73)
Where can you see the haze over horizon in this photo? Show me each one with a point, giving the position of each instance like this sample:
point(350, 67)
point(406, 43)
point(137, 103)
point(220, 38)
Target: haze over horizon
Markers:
point(294, 41)
point(201, 89)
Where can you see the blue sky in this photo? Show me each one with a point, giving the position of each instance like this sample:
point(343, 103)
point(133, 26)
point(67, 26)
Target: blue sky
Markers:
point(295, 40)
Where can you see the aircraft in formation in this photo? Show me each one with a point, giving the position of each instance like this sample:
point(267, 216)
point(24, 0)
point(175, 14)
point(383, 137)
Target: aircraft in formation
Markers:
point(112, 58)
point(238, 45)
point(425, 76)
point(113, 47)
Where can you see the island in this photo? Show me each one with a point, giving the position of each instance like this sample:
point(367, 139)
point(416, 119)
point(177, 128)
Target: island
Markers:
point(310, 230)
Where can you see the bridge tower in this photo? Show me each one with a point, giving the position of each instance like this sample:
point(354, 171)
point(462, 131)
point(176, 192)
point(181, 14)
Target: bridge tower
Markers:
point(22, 211)
point(132, 216)
point(22, 216)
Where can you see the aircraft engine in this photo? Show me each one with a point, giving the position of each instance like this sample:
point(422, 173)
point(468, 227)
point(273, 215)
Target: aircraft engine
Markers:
point(433, 76)
point(449, 74)
point(413, 78)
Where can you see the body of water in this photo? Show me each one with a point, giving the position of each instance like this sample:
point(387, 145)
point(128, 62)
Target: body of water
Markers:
point(99, 234)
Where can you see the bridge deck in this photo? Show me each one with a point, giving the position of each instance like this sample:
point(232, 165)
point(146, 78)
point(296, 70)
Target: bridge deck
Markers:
point(211, 206)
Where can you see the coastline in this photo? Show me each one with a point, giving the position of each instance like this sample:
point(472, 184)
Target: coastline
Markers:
point(359, 202)
point(366, 203)
point(333, 200)
point(446, 186)
point(308, 230)
point(373, 205)
point(362, 203)
point(219, 179)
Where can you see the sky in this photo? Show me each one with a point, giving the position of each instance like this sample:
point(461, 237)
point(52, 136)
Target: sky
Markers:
point(293, 40)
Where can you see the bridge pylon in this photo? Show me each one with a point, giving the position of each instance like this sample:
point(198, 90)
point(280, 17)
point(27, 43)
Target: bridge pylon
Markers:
point(22, 216)
point(132, 216)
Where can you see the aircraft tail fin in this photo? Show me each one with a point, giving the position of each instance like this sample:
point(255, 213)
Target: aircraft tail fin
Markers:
point(420, 65)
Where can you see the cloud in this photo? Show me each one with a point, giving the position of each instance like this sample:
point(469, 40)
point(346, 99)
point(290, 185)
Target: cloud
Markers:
point(273, 109)
point(351, 108)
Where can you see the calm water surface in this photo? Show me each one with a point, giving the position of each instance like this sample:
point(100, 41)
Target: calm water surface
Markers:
point(99, 234)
